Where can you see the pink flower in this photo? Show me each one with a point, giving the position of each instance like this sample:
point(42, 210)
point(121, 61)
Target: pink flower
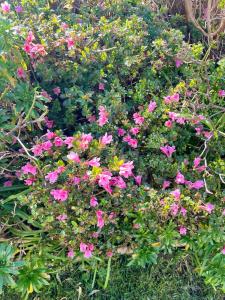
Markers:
point(197, 161)
point(109, 253)
point(50, 135)
point(19, 9)
point(8, 183)
point(87, 249)
point(171, 99)
point(56, 90)
point(70, 43)
point(85, 140)
point(138, 179)
point(58, 142)
point(134, 130)
point(183, 211)
point(183, 230)
point(49, 123)
point(119, 182)
point(168, 150)
point(52, 177)
point(76, 180)
point(176, 194)
point(221, 93)
point(91, 118)
point(20, 73)
point(223, 250)
point(59, 194)
point(138, 119)
point(103, 116)
point(126, 169)
point(197, 184)
point(94, 162)
point(133, 143)
point(69, 141)
point(46, 146)
point(104, 181)
point(106, 139)
point(37, 149)
point(70, 254)
point(178, 63)
point(100, 220)
point(166, 184)
point(172, 116)
point(30, 37)
point(5, 7)
point(174, 209)
point(180, 120)
point(74, 157)
point(152, 106)
point(209, 207)
point(62, 217)
point(28, 168)
point(101, 86)
point(169, 124)
point(121, 132)
point(29, 181)
point(93, 201)
point(180, 178)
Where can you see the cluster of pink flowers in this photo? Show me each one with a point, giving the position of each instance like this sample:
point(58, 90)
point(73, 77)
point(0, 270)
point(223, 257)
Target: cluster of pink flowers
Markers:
point(131, 141)
point(87, 249)
point(59, 194)
point(138, 119)
point(168, 150)
point(32, 49)
point(103, 116)
point(173, 98)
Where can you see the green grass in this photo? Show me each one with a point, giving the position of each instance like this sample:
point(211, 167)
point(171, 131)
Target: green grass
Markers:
point(161, 282)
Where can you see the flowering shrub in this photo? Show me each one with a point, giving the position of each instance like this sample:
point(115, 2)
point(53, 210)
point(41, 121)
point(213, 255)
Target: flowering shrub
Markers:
point(142, 175)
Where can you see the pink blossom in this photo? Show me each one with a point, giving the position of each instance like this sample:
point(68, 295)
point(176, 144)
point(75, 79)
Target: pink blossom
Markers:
point(197, 161)
point(180, 178)
point(87, 249)
point(76, 180)
point(178, 62)
point(49, 123)
point(119, 182)
point(59, 194)
point(180, 120)
point(62, 217)
point(100, 220)
point(50, 135)
point(70, 254)
point(29, 181)
point(138, 119)
point(209, 207)
point(138, 179)
point(46, 146)
point(30, 37)
point(183, 211)
point(126, 169)
point(74, 157)
point(28, 168)
point(223, 250)
point(85, 140)
point(5, 7)
point(94, 162)
point(109, 253)
point(60, 169)
point(69, 141)
point(58, 142)
point(19, 9)
point(133, 143)
point(172, 98)
point(101, 86)
point(174, 209)
point(197, 184)
point(183, 230)
point(104, 181)
point(172, 116)
point(152, 106)
point(121, 132)
point(93, 201)
point(8, 183)
point(56, 90)
point(103, 116)
point(134, 130)
point(176, 194)
point(70, 43)
point(91, 118)
point(20, 73)
point(52, 176)
point(169, 124)
point(168, 150)
point(106, 139)
point(166, 184)
point(95, 235)
point(221, 93)
point(37, 149)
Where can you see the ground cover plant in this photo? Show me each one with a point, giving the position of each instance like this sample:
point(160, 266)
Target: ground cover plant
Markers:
point(112, 150)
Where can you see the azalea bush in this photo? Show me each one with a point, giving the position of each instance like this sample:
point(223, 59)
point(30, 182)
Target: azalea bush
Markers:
point(116, 138)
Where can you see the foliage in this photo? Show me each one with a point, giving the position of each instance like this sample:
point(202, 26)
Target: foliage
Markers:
point(134, 163)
